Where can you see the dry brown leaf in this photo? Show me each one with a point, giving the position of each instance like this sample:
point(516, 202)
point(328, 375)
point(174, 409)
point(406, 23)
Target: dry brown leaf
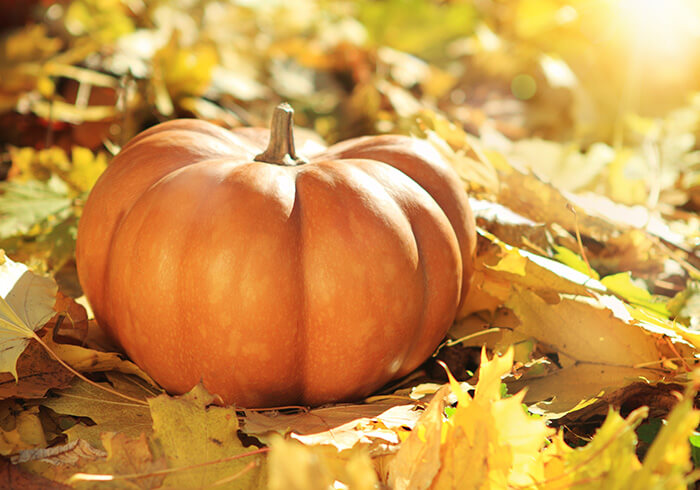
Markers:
point(71, 453)
point(109, 412)
point(74, 325)
point(37, 372)
point(341, 426)
point(15, 478)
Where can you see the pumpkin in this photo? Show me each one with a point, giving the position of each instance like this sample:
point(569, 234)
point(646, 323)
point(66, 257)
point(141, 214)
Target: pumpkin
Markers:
point(272, 279)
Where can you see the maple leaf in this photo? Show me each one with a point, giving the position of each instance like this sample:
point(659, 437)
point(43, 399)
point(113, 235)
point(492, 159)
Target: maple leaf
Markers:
point(191, 431)
point(506, 439)
point(609, 460)
point(418, 460)
point(26, 303)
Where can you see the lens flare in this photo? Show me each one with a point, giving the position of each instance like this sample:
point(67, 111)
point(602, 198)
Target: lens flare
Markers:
point(666, 30)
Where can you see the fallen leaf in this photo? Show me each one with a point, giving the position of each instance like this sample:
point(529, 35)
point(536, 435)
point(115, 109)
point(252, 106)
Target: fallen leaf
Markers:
point(86, 360)
point(583, 332)
point(24, 205)
point(418, 460)
point(192, 431)
point(74, 325)
point(294, 466)
point(109, 412)
point(37, 372)
point(622, 285)
point(13, 477)
point(130, 463)
point(78, 451)
point(26, 303)
point(21, 431)
point(341, 426)
point(489, 439)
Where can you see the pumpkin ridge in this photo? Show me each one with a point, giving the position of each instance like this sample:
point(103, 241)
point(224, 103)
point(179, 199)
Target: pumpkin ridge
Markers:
point(360, 164)
point(302, 324)
point(333, 180)
point(199, 127)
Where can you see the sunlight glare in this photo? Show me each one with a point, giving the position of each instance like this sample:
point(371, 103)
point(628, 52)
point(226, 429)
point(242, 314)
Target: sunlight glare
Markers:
point(660, 29)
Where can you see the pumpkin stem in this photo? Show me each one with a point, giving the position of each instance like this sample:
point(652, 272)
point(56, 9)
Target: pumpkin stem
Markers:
point(280, 150)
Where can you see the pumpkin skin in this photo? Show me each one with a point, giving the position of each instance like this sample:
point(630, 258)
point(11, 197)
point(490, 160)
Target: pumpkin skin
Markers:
point(282, 283)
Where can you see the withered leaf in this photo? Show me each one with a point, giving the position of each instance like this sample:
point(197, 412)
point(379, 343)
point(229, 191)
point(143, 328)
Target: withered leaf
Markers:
point(14, 477)
point(109, 412)
point(37, 372)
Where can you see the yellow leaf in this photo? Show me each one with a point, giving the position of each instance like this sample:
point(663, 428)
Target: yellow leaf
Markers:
point(418, 460)
point(126, 456)
point(608, 461)
point(26, 303)
point(191, 431)
point(490, 373)
point(669, 454)
point(86, 168)
point(491, 442)
point(294, 466)
point(622, 285)
point(186, 70)
point(109, 412)
point(567, 257)
point(586, 335)
point(21, 431)
point(86, 360)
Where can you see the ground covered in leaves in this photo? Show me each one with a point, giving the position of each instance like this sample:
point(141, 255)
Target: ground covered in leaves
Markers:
point(574, 126)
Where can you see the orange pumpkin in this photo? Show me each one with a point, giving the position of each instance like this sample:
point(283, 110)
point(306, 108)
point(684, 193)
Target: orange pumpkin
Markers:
point(272, 279)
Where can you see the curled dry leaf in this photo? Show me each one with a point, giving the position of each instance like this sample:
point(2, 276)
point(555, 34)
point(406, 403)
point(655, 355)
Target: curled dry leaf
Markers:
point(342, 426)
point(72, 453)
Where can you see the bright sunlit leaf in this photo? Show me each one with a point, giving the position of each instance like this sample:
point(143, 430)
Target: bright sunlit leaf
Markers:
point(26, 303)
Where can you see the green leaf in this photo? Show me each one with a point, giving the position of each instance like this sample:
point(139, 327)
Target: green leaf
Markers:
point(417, 27)
point(622, 285)
point(668, 459)
point(22, 206)
point(567, 257)
point(26, 303)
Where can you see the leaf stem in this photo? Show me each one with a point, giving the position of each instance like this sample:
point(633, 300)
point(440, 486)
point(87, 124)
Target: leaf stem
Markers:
point(166, 471)
point(82, 377)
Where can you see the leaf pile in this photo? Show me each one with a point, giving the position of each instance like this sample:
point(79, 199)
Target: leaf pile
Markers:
point(583, 170)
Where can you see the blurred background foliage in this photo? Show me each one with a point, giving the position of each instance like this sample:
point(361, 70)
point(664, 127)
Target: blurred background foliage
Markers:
point(593, 95)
